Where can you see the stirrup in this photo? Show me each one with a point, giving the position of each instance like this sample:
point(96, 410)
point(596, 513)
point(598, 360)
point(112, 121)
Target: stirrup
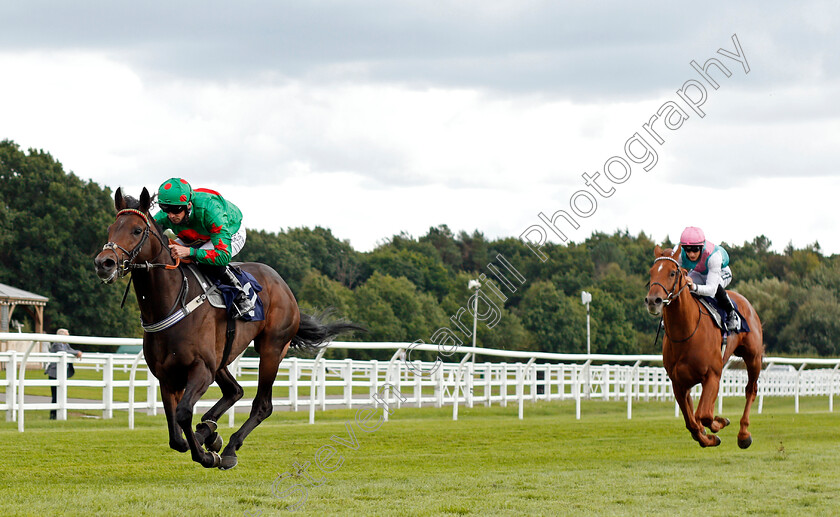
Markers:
point(242, 306)
point(733, 322)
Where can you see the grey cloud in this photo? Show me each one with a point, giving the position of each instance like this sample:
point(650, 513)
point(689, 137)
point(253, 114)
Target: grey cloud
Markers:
point(614, 50)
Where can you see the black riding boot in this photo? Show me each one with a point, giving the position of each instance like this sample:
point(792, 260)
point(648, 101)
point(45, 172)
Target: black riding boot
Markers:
point(242, 304)
point(733, 321)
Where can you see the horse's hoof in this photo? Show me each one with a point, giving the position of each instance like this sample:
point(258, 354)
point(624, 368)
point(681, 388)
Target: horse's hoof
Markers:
point(216, 444)
point(205, 430)
point(217, 460)
point(181, 446)
point(228, 462)
point(745, 443)
point(715, 441)
point(725, 423)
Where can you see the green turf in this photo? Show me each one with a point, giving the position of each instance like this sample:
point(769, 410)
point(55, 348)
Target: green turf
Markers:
point(422, 463)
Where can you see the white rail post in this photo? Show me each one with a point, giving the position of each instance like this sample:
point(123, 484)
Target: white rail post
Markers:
point(131, 381)
point(348, 382)
point(531, 369)
point(293, 383)
point(798, 382)
point(11, 390)
point(313, 385)
point(525, 370)
point(21, 379)
point(457, 388)
point(108, 389)
point(761, 391)
point(62, 387)
point(720, 387)
point(576, 390)
point(393, 377)
point(520, 388)
point(633, 374)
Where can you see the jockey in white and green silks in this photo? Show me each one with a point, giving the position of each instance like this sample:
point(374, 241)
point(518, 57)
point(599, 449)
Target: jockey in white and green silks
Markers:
point(209, 230)
point(709, 271)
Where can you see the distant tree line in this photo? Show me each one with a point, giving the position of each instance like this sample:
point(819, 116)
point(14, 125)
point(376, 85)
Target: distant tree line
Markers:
point(52, 224)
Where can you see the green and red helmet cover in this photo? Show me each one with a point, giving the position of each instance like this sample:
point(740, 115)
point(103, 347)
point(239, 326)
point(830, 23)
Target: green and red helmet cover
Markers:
point(175, 191)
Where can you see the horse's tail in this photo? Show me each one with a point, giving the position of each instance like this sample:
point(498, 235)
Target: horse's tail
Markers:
point(314, 331)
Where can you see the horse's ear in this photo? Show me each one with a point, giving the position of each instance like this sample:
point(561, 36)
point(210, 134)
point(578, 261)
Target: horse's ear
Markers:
point(145, 200)
point(119, 201)
point(657, 251)
point(676, 251)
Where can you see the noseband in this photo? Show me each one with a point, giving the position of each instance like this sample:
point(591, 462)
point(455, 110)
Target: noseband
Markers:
point(671, 295)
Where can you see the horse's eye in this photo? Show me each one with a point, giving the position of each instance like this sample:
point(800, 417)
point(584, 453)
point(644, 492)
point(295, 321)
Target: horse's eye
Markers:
point(138, 231)
point(673, 273)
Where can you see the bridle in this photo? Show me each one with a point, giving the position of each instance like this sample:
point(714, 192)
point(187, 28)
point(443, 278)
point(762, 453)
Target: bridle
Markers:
point(672, 295)
point(127, 265)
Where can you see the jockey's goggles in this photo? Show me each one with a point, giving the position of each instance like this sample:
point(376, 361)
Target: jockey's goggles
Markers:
point(172, 209)
point(688, 249)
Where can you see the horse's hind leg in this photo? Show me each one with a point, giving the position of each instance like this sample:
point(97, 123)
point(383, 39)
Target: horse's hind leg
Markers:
point(205, 432)
point(261, 408)
point(753, 364)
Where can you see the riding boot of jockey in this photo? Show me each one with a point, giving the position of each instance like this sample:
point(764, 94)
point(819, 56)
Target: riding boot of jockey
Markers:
point(733, 321)
point(242, 304)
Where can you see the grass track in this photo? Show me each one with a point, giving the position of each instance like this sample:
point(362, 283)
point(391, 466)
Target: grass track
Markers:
point(423, 463)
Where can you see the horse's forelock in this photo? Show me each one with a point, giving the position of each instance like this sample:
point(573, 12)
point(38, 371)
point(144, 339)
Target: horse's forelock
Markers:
point(131, 202)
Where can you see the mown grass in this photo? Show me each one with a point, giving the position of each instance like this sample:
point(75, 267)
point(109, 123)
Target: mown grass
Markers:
point(422, 463)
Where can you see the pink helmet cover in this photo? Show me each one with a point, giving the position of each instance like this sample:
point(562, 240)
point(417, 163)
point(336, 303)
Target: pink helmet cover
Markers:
point(692, 236)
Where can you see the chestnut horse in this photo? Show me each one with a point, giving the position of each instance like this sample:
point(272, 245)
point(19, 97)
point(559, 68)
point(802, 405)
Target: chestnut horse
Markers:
point(691, 349)
point(189, 355)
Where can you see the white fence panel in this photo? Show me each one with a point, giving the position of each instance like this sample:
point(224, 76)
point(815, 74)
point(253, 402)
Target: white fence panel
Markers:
point(320, 383)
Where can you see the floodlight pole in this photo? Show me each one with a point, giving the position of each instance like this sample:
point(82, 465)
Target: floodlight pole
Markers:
point(586, 298)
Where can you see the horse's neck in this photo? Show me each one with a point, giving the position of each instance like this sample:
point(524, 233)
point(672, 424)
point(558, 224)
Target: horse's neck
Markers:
point(682, 310)
point(157, 289)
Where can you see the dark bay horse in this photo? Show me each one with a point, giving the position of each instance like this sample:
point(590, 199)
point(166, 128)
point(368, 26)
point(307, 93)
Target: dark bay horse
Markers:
point(188, 356)
point(691, 348)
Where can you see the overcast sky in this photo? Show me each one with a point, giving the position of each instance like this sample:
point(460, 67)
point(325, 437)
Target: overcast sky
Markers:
point(372, 118)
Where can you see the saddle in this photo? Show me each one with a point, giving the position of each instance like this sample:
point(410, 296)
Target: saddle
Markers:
point(719, 315)
point(214, 295)
point(222, 295)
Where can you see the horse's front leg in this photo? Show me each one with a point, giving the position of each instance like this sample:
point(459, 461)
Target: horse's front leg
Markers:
point(170, 401)
point(683, 396)
point(199, 378)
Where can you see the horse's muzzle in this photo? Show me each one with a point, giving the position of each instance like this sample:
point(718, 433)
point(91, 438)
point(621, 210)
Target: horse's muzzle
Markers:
point(106, 268)
point(653, 304)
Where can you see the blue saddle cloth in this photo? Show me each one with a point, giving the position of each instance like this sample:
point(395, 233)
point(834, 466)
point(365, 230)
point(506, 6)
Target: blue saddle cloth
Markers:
point(251, 288)
point(721, 319)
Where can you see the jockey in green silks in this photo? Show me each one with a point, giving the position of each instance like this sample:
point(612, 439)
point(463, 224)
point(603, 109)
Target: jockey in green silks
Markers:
point(209, 231)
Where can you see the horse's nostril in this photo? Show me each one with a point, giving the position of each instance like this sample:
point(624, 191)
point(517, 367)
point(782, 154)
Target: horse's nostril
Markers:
point(106, 264)
point(658, 301)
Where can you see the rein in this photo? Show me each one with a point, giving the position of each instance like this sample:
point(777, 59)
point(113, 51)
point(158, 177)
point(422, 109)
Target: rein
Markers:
point(128, 265)
point(671, 296)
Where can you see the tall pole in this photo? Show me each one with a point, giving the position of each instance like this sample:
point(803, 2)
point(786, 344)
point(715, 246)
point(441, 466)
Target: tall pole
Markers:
point(475, 316)
point(586, 298)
